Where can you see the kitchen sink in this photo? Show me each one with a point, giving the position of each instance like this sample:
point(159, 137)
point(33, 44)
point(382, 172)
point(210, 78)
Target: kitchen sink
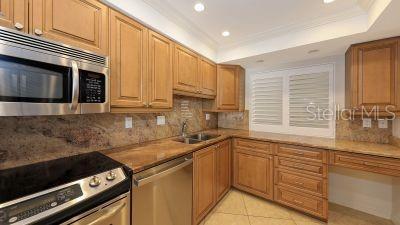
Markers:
point(203, 136)
point(196, 138)
point(187, 140)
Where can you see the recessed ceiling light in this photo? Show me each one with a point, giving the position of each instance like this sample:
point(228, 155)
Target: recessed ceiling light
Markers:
point(226, 33)
point(199, 7)
point(328, 1)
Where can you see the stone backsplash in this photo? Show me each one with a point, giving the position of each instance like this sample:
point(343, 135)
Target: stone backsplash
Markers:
point(234, 120)
point(25, 140)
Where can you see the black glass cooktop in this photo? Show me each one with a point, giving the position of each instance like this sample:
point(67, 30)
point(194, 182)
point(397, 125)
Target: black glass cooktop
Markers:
point(30, 179)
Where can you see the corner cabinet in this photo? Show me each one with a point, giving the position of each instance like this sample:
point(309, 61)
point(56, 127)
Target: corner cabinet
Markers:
point(211, 178)
point(372, 75)
point(14, 14)
point(230, 90)
point(141, 67)
point(80, 23)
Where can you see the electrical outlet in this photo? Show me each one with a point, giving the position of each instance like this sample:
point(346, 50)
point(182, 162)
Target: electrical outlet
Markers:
point(367, 122)
point(128, 122)
point(208, 116)
point(160, 120)
point(383, 123)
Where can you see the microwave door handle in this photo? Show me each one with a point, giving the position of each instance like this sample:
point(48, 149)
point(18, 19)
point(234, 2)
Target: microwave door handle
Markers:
point(75, 86)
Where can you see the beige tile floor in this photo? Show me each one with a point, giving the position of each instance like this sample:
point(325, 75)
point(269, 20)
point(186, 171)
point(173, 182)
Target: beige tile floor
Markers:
point(238, 208)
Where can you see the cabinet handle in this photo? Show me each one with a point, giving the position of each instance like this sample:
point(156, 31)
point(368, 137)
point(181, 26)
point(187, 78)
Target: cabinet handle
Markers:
point(19, 26)
point(38, 32)
point(299, 183)
point(298, 202)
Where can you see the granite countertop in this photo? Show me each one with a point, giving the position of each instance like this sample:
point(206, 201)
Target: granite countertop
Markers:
point(142, 156)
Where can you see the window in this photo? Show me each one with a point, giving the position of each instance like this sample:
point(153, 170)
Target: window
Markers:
point(294, 101)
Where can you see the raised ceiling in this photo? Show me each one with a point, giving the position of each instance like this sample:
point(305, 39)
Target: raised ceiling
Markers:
point(252, 20)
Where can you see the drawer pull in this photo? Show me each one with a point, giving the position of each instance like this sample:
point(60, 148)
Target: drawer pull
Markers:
point(370, 164)
point(299, 183)
point(299, 153)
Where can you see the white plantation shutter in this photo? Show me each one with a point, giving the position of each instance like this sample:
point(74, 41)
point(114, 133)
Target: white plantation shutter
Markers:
point(286, 101)
point(308, 91)
point(267, 100)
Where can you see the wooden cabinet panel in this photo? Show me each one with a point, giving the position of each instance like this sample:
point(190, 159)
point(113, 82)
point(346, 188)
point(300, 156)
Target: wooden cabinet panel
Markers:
point(307, 203)
point(296, 180)
point(81, 23)
point(186, 70)
point(128, 62)
point(372, 75)
point(228, 87)
point(309, 168)
point(160, 71)
point(204, 183)
point(303, 153)
point(208, 77)
point(253, 145)
point(373, 164)
point(14, 14)
point(253, 172)
point(223, 169)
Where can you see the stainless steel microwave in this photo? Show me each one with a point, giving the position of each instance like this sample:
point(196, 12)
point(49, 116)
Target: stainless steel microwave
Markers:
point(41, 77)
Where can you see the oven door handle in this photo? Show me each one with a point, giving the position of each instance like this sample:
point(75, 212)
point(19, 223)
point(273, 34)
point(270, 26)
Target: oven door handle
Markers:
point(108, 213)
point(75, 86)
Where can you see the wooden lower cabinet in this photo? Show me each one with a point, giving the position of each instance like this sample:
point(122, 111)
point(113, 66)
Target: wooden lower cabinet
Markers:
point(211, 178)
point(253, 172)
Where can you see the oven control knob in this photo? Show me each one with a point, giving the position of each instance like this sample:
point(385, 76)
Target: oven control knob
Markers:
point(111, 176)
point(94, 182)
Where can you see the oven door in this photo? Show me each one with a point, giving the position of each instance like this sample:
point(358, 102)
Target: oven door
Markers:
point(30, 87)
point(115, 212)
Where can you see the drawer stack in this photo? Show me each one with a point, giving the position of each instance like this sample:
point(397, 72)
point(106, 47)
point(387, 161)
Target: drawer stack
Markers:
point(300, 179)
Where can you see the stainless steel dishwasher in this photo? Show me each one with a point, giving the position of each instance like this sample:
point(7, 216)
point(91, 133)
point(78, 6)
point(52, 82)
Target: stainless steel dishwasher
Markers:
point(162, 195)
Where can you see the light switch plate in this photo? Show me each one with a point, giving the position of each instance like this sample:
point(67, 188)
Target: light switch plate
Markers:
point(128, 122)
point(367, 122)
point(383, 123)
point(208, 116)
point(160, 120)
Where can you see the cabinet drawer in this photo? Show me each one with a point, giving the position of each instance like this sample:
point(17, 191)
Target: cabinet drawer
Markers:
point(308, 184)
point(303, 153)
point(253, 145)
point(311, 168)
point(307, 203)
point(374, 164)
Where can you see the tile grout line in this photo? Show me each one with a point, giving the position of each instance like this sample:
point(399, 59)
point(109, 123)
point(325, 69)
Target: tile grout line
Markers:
point(245, 208)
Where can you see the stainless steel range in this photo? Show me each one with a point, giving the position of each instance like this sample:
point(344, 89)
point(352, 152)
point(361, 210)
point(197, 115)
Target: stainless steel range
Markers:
point(84, 189)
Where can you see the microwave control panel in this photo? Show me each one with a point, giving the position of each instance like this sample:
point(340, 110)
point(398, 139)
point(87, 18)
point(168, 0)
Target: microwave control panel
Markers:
point(92, 87)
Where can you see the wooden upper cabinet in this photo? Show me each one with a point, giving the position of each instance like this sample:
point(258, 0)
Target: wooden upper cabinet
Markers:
point(223, 169)
point(229, 83)
point(160, 71)
point(128, 62)
point(372, 75)
point(81, 23)
point(14, 14)
point(204, 183)
point(186, 70)
point(208, 77)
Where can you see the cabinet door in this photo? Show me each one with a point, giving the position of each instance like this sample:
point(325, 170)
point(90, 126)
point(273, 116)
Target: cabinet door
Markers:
point(128, 62)
point(204, 183)
point(223, 169)
point(81, 23)
point(14, 14)
point(208, 77)
point(253, 172)
point(160, 71)
point(186, 70)
point(378, 75)
point(228, 87)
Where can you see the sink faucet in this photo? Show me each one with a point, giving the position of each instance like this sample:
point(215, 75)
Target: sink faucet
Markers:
point(184, 128)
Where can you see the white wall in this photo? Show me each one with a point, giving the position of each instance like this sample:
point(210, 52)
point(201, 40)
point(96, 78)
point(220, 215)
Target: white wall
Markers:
point(141, 11)
point(396, 201)
point(367, 192)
